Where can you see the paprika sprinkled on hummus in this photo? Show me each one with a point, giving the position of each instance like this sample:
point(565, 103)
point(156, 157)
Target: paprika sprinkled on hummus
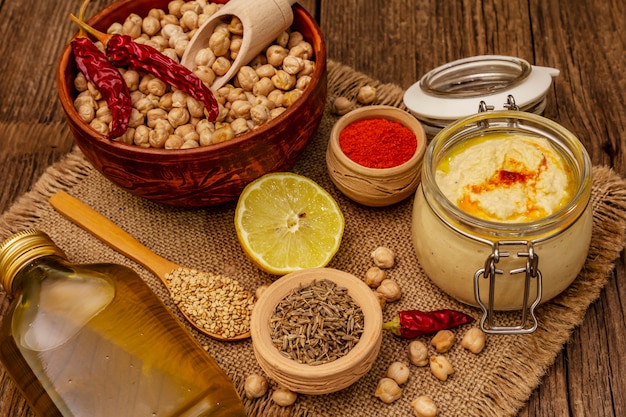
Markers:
point(506, 177)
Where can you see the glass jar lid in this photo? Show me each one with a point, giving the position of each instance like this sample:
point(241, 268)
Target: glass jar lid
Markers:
point(455, 90)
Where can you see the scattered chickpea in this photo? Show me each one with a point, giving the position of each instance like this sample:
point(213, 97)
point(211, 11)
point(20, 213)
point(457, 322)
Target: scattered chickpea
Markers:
point(388, 390)
point(390, 290)
point(418, 353)
point(284, 397)
point(342, 105)
point(440, 367)
point(366, 94)
point(474, 340)
point(399, 372)
point(443, 341)
point(255, 386)
point(383, 257)
point(424, 406)
point(381, 299)
point(374, 276)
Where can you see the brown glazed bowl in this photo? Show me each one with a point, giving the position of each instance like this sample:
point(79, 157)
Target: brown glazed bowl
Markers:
point(203, 176)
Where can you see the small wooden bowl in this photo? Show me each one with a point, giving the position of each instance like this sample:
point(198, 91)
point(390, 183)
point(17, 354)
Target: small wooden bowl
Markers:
point(329, 377)
point(372, 186)
point(208, 175)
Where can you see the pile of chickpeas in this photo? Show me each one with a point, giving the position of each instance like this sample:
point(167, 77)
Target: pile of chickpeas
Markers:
point(163, 117)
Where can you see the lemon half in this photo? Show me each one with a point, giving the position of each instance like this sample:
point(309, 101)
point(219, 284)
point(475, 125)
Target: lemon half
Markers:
point(286, 222)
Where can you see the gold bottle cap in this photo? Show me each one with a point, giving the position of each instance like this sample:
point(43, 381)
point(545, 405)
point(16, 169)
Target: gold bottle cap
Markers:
point(21, 248)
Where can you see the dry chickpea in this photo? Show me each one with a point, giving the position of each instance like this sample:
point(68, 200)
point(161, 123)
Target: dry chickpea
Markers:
point(223, 134)
point(443, 341)
point(239, 126)
point(383, 257)
point(399, 372)
point(86, 113)
point(142, 136)
point(275, 55)
point(418, 353)
point(99, 126)
point(294, 39)
point(303, 81)
point(235, 26)
point(189, 20)
point(240, 108)
point(127, 137)
point(158, 137)
point(342, 105)
point(263, 87)
point(366, 94)
point(151, 25)
point(173, 142)
point(276, 97)
point(284, 397)
point(474, 340)
point(291, 97)
point(255, 386)
point(115, 29)
point(388, 390)
point(205, 57)
point(205, 73)
point(247, 77)
point(206, 137)
point(131, 77)
point(178, 116)
point(265, 71)
point(221, 66)
point(94, 93)
point(440, 367)
point(80, 82)
point(190, 144)
point(374, 276)
point(389, 290)
point(260, 114)
point(219, 42)
point(293, 64)
point(424, 406)
point(283, 80)
point(103, 113)
point(174, 7)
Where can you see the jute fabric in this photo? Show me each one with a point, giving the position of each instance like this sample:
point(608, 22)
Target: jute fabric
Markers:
point(495, 383)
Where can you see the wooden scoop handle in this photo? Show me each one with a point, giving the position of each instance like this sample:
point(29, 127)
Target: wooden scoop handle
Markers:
point(110, 233)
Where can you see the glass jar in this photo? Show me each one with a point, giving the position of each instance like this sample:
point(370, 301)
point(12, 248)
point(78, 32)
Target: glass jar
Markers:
point(94, 340)
point(502, 265)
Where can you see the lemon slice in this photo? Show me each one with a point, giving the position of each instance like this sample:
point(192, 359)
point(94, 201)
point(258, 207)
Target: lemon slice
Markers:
point(286, 222)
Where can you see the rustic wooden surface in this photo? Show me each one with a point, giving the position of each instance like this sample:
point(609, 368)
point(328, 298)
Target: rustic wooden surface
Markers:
point(395, 41)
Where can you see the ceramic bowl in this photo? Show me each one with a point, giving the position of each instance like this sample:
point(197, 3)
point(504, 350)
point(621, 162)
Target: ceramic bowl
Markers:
point(375, 187)
point(331, 376)
point(208, 175)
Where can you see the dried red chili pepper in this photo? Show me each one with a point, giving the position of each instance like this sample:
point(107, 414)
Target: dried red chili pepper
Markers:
point(107, 79)
point(410, 324)
point(123, 51)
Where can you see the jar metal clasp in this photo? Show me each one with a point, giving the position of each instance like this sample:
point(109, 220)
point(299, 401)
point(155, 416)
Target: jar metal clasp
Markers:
point(528, 322)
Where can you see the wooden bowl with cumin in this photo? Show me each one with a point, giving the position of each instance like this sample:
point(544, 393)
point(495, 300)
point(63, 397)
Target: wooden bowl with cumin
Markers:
point(286, 364)
point(207, 175)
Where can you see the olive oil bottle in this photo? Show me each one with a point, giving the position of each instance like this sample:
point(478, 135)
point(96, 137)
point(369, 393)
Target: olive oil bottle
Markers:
point(95, 341)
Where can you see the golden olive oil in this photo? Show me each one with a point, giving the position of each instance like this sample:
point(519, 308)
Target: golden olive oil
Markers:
point(94, 340)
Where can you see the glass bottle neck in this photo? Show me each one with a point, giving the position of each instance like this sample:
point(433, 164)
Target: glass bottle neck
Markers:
point(21, 250)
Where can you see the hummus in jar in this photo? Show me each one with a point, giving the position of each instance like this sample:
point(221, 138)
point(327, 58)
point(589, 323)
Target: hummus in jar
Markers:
point(506, 178)
point(508, 191)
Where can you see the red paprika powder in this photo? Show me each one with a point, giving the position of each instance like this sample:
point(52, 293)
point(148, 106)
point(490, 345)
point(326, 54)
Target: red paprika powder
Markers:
point(378, 143)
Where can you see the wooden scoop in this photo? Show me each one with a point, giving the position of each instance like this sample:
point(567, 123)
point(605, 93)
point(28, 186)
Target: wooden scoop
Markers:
point(111, 234)
point(262, 20)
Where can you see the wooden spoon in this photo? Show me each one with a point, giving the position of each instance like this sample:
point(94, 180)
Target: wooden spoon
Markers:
point(262, 20)
point(111, 234)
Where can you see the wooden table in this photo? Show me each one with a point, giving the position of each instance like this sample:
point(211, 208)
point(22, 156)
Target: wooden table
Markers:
point(395, 41)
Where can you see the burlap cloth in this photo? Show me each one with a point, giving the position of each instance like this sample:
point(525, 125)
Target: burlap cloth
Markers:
point(495, 383)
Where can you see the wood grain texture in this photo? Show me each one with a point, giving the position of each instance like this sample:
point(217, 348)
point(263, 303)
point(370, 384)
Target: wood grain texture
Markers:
point(395, 41)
